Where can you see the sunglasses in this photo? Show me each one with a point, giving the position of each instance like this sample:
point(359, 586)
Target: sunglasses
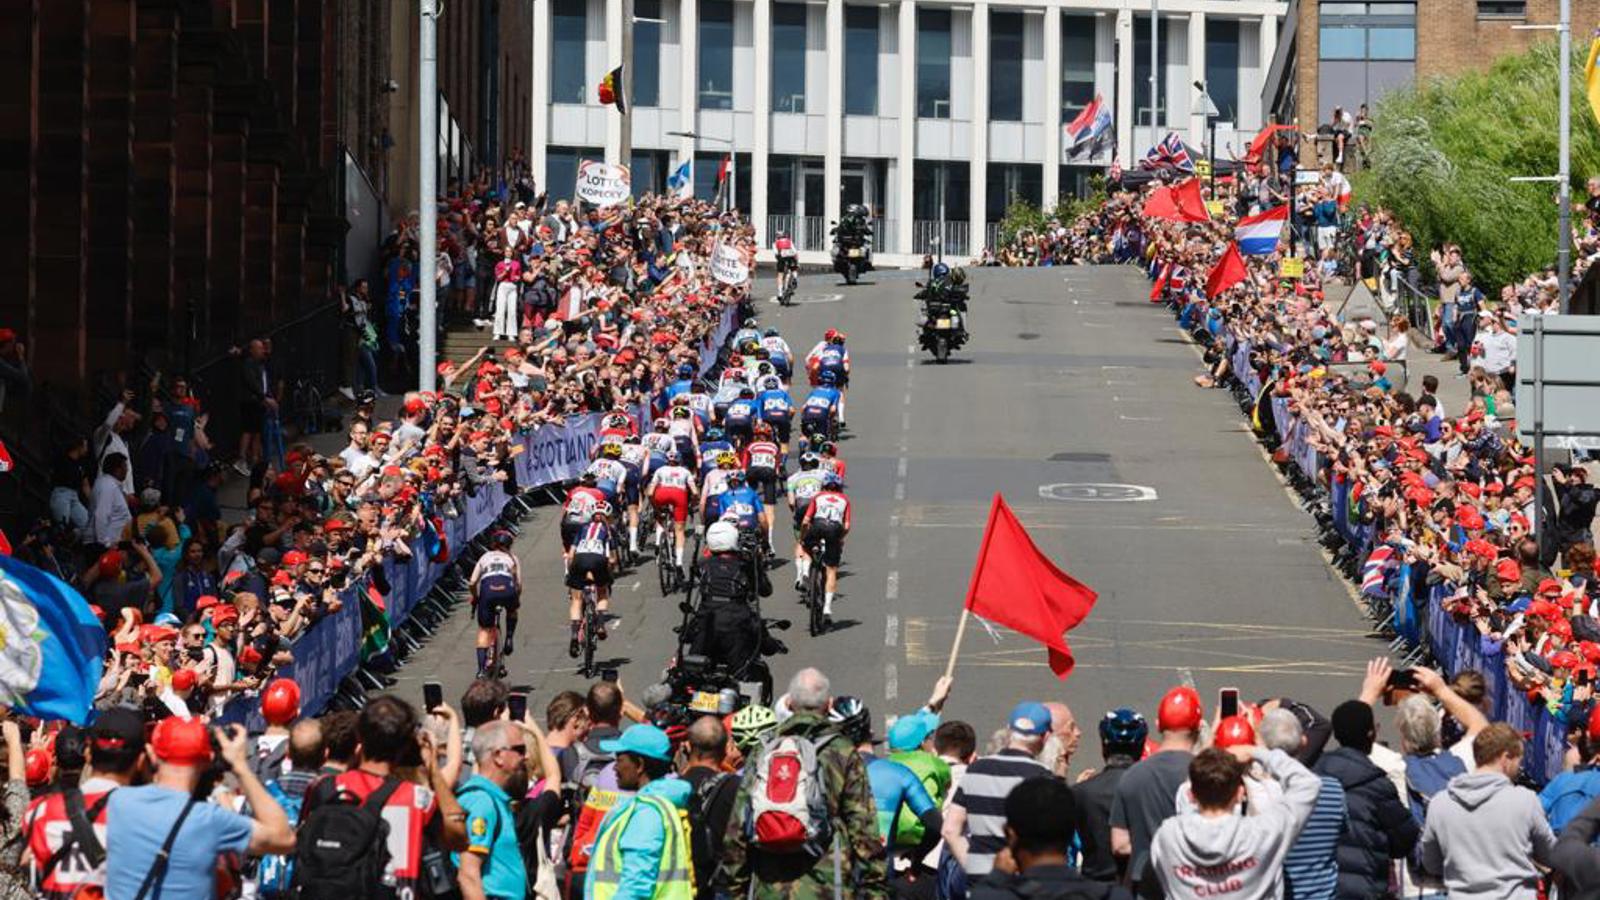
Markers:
point(518, 749)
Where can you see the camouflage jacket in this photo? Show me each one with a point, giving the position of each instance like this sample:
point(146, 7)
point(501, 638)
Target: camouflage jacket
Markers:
point(858, 846)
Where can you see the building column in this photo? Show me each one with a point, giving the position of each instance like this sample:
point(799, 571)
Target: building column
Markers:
point(761, 130)
point(689, 74)
point(833, 156)
point(1269, 48)
point(1125, 104)
point(978, 177)
point(614, 25)
point(905, 174)
point(539, 92)
point(1051, 190)
point(1197, 72)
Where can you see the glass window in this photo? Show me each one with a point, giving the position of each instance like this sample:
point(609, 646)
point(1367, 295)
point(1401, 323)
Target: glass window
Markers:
point(1391, 43)
point(780, 186)
point(1077, 65)
point(936, 181)
point(789, 57)
point(1396, 9)
point(1008, 181)
point(568, 40)
point(933, 63)
point(561, 169)
point(1343, 43)
point(1005, 66)
point(1343, 9)
point(646, 72)
point(647, 168)
point(716, 54)
point(861, 60)
point(1222, 67)
point(1141, 70)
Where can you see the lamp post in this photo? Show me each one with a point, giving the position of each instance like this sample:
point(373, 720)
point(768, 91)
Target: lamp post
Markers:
point(428, 190)
point(733, 181)
point(1211, 131)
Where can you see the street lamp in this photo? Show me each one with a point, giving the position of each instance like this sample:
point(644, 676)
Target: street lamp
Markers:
point(1211, 128)
point(732, 181)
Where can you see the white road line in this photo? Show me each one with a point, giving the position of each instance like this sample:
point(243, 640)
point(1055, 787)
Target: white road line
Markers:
point(911, 364)
point(900, 490)
point(905, 421)
point(635, 586)
point(907, 400)
point(1116, 367)
point(891, 631)
point(1110, 382)
point(891, 588)
point(911, 349)
point(1095, 324)
point(1138, 418)
point(894, 521)
point(900, 468)
point(891, 682)
point(894, 546)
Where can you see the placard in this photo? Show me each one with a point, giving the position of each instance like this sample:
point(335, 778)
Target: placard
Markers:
point(728, 266)
point(603, 184)
point(1292, 267)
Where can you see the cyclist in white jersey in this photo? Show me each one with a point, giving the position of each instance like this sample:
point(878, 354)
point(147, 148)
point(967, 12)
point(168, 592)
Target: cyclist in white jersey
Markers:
point(672, 489)
point(496, 583)
point(798, 491)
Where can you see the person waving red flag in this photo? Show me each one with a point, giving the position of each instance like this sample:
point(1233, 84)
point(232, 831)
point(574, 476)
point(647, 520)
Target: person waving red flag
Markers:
point(1015, 585)
point(1229, 271)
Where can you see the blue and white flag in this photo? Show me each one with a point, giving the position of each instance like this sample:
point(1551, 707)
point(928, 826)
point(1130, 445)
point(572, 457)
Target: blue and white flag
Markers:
point(52, 647)
point(681, 181)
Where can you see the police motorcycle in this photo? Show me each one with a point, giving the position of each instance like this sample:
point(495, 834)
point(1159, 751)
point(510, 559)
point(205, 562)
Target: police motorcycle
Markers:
point(944, 311)
point(723, 640)
point(852, 243)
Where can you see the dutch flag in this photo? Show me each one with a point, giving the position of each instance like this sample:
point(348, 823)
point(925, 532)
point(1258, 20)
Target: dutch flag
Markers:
point(1258, 235)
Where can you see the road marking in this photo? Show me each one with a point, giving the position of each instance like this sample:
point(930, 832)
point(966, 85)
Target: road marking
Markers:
point(891, 632)
point(911, 364)
point(1118, 399)
point(894, 546)
point(891, 587)
point(905, 421)
point(1117, 367)
point(907, 400)
point(1096, 325)
point(891, 682)
point(900, 468)
point(1103, 493)
point(911, 349)
point(1138, 418)
point(1111, 382)
point(900, 490)
point(635, 586)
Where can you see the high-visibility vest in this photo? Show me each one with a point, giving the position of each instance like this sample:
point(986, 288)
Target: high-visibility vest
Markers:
point(674, 878)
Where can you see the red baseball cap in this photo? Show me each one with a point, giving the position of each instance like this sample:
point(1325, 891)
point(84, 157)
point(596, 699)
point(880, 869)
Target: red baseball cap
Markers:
point(1508, 570)
point(184, 680)
point(295, 558)
point(181, 742)
point(1565, 659)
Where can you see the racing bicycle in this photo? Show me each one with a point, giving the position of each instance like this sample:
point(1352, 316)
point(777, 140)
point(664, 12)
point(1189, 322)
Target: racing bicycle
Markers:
point(589, 625)
point(666, 555)
point(814, 590)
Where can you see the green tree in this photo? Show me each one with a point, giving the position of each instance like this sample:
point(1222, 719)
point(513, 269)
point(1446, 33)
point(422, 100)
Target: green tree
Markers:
point(1444, 151)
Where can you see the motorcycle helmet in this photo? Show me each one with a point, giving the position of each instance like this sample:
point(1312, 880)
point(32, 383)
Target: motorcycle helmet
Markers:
point(1123, 730)
point(940, 270)
point(852, 718)
point(752, 725)
point(958, 276)
point(722, 537)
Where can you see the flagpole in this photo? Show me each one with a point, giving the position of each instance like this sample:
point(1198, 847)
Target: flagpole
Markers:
point(955, 648)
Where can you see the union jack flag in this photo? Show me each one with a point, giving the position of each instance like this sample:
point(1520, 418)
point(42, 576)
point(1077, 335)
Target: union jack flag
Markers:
point(1375, 572)
point(1170, 153)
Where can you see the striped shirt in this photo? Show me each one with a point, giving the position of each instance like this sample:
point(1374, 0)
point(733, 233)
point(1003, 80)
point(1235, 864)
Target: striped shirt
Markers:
point(1311, 868)
point(982, 793)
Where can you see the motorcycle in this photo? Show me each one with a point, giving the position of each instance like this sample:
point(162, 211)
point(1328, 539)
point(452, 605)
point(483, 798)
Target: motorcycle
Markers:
point(852, 251)
point(944, 323)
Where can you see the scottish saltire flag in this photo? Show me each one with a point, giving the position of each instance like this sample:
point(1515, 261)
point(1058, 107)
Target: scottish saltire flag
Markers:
point(1169, 153)
point(1258, 235)
point(681, 181)
point(1375, 571)
point(1090, 124)
point(52, 646)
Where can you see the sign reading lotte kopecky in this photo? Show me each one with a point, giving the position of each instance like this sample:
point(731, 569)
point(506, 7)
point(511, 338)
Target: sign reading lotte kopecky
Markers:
point(603, 184)
point(728, 266)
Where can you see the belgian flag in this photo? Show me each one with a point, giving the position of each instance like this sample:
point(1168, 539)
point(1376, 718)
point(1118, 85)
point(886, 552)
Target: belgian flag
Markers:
point(611, 92)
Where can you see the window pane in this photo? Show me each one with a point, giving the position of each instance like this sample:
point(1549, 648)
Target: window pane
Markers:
point(1222, 66)
point(1077, 65)
point(1391, 43)
point(861, 60)
point(780, 186)
point(1005, 66)
point(933, 63)
point(716, 54)
point(1141, 70)
point(789, 57)
point(1394, 9)
point(1343, 43)
point(646, 72)
point(567, 51)
point(1343, 9)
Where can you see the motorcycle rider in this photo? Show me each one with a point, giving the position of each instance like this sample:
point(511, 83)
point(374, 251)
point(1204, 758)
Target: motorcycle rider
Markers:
point(726, 628)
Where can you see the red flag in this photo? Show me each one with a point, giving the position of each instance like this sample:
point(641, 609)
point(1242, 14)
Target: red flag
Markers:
point(1161, 283)
point(722, 170)
point(1228, 271)
point(1015, 585)
point(1161, 204)
point(5, 458)
point(5, 544)
point(1182, 203)
point(1262, 139)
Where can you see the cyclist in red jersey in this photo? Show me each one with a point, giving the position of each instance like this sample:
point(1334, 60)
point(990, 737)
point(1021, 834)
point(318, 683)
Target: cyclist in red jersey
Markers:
point(828, 517)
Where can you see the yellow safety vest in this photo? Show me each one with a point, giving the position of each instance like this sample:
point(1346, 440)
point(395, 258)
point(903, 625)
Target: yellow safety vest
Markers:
point(675, 877)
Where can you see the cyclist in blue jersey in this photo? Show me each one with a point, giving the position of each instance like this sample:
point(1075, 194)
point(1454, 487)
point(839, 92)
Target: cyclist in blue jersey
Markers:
point(896, 790)
point(683, 385)
point(818, 412)
point(778, 352)
point(776, 409)
point(742, 500)
point(740, 417)
point(829, 356)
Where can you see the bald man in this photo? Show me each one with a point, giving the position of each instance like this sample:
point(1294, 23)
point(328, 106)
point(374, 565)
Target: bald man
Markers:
point(711, 804)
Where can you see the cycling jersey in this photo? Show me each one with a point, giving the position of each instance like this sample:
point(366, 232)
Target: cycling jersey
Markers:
point(743, 502)
point(716, 482)
point(671, 477)
point(893, 786)
point(661, 442)
point(635, 454)
point(830, 506)
point(609, 473)
point(802, 486)
point(681, 428)
point(727, 392)
point(761, 455)
point(833, 464)
point(581, 501)
point(741, 413)
point(700, 404)
point(496, 562)
point(784, 247)
point(775, 407)
point(708, 454)
point(674, 389)
point(745, 334)
point(594, 538)
point(823, 400)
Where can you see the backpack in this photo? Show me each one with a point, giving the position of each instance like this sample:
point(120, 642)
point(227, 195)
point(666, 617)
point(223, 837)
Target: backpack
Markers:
point(275, 872)
point(342, 848)
point(1425, 777)
point(701, 838)
point(788, 811)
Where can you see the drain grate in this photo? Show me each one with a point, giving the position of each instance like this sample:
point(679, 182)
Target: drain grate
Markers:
point(1081, 457)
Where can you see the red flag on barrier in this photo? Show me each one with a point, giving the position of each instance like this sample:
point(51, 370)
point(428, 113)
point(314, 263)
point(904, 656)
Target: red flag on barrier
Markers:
point(1229, 271)
point(1015, 585)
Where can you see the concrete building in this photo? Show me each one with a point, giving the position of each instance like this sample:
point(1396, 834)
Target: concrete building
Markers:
point(927, 112)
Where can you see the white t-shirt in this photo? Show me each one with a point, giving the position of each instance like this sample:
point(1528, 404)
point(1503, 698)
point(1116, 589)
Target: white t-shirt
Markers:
point(109, 514)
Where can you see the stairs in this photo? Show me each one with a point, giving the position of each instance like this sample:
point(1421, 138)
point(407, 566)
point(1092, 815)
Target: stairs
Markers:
point(461, 341)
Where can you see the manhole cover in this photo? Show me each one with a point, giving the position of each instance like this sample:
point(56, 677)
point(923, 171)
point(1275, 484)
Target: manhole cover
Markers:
point(1097, 493)
point(1027, 335)
point(1081, 457)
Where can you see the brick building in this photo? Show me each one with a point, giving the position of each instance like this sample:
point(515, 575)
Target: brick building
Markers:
point(1335, 53)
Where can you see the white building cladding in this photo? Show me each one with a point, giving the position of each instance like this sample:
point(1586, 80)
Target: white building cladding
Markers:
point(921, 110)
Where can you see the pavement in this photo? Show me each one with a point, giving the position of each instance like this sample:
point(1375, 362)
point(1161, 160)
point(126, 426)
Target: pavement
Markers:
point(1073, 400)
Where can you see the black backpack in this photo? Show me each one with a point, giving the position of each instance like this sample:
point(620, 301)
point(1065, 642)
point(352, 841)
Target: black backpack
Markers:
point(343, 845)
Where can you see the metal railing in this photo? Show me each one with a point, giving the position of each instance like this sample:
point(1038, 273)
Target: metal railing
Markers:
point(780, 224)
point(991, 236)
point(813, 233)
point(883, 235)
point(927, 237)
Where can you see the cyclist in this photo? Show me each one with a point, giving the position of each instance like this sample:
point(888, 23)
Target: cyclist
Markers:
point(742, 501)
point(740, 417)
point(593, 551)
point(634, 458)
point(672, 489)
point(683, 385)
point(777, 410)
point(763, 461)
point(711, 449)
point(658, 442)
point(577, 512)
point(828, 454)
point(801, 487)
point(751, 727)
point(716, 481)
point(700, 402)
point(788, 263)
point(778, 352)
point(685, 433)
point(893, 784)
point(748, 331)
point(609, 472)
point(617, 423)
point(830, 355)
point(828, 518)
point(496, 582)
point(819, 411)
point(727, 392)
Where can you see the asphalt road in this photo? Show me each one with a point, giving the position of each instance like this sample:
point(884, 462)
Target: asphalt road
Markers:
point(1212, 575)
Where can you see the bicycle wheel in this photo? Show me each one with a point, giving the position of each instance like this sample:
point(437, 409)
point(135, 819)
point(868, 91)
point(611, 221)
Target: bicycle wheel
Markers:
point(591, 631)
point(666, 568)
point(816, 588)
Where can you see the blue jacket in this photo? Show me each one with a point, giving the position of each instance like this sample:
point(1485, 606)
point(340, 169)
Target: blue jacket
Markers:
point(642, 842)
point(1567, 794)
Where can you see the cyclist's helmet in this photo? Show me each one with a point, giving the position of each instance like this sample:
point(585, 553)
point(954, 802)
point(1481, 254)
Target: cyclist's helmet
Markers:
point(762, 429)
point(747, 393)
point(827, 378)
point(601, 509)
point(770, 332)
point(734, 374)
point(715, 433)
point(764, 368)
point(829, 335)
point(752, 725)
point(1123, 731)
point(735, 477)
point(831, 482)
point(610, 451)
point(661, 424)
point(727, 459)
point(809, 461)
point(672, 457)
point(500, 539)
point(750, 322)
point(631, 439)
point(618, 420)
point(681, 412)
point(838, 338)
point(852, 718)
point(763, 353)
point(722, 537)
point(940, 270)
point(685, 371)
point(827, 448)
point(782, 235)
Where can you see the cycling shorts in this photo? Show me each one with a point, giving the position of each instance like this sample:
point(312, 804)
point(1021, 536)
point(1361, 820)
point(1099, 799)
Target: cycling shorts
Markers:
point(630, 485)
point(587, 565)
point(569, 531)
point(833, 534)
point(494, 593)
point(815, 421)
point(673, 498)
point(766, 481)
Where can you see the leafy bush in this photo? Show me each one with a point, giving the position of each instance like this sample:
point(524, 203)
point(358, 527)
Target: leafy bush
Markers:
point(1444, 151)
point(1022, 215)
